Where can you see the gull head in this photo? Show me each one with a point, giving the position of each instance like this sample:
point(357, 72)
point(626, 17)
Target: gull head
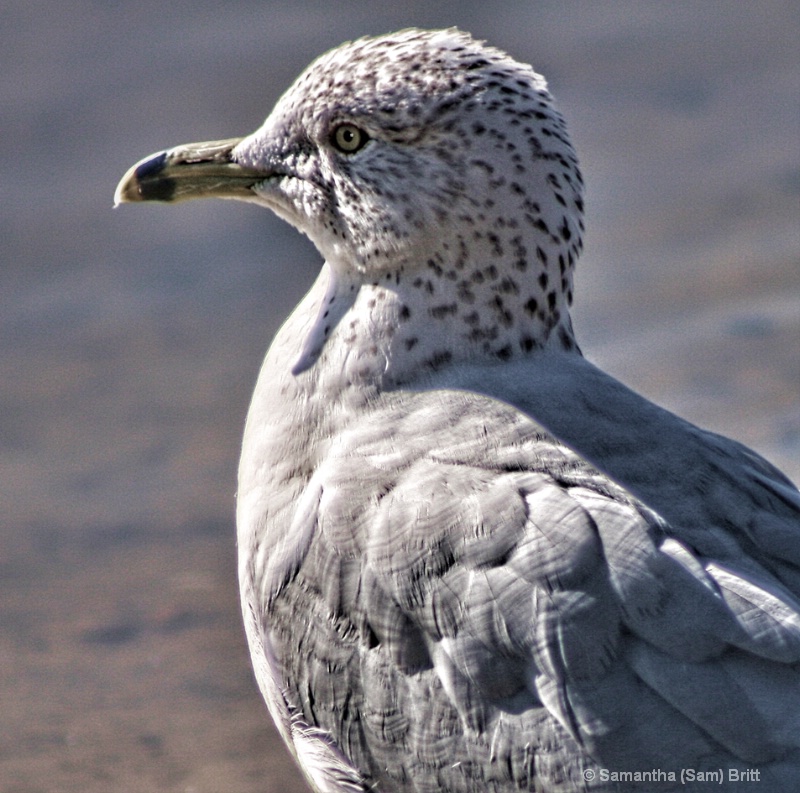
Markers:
point(419, 160)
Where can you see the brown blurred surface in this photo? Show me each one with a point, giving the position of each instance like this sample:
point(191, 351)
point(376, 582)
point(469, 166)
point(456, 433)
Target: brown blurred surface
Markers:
point(131, 338)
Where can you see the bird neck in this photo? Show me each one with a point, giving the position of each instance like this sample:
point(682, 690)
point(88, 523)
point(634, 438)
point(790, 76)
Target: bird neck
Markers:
point(408, 324)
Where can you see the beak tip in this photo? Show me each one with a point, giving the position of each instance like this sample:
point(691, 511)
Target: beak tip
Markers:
point(143, 182)
point(120, 196)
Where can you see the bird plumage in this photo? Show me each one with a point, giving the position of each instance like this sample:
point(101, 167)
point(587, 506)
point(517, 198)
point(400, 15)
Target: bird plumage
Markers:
point(469, 560)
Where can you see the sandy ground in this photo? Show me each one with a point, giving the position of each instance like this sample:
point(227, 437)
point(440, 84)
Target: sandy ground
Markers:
point(131, 338)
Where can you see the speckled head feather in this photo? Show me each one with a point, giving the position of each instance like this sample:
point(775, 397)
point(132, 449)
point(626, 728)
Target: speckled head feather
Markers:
point(462, 186)
point(436, 178)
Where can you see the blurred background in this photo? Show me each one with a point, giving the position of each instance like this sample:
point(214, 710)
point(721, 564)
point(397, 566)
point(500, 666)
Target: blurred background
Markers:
point(131, 339)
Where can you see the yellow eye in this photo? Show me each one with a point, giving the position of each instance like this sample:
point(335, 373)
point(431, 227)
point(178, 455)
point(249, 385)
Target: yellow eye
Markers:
point(348, 138)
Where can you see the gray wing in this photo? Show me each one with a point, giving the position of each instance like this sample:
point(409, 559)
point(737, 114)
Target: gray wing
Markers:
point(491, 613)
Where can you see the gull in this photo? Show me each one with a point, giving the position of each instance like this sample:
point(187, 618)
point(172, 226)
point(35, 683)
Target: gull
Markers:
point(469, 560)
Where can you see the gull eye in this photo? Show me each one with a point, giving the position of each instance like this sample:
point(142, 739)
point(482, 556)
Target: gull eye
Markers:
point(348, 138)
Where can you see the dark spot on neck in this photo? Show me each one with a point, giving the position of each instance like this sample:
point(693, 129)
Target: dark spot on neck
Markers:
point(439, 359)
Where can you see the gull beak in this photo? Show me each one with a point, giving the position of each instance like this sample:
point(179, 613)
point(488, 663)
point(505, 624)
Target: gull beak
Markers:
point(196, 170)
